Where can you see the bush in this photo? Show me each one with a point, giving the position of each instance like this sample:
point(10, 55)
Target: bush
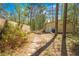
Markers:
point(12, 38)
point(75, 48)
point(75, 44)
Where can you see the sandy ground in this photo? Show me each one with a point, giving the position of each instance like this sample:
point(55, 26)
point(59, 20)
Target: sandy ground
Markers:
point(2, 22)
point(35, 42)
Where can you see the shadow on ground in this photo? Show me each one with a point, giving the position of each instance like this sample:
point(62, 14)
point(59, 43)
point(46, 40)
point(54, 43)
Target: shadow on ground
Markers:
point(39, 51)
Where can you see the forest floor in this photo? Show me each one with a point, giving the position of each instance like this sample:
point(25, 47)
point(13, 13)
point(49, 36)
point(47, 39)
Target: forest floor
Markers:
point(35, 41)
point(38, 40)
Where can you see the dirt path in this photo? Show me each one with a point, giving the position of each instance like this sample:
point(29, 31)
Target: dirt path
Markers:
point(35, 42)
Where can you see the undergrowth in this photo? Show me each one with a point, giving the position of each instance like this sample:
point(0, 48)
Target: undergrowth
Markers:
point(12, 38)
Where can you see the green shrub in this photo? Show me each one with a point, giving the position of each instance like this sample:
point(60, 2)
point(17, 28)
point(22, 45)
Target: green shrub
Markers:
point(12, 38)
point(74, 44)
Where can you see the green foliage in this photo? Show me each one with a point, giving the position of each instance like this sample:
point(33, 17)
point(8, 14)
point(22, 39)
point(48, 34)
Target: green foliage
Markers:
point(12, 38)
point(33, 24)
point(38, 22)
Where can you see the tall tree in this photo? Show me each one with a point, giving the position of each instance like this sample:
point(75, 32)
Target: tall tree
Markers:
point(18, 10)
point(30, 7)
point(75, 14)
point(37, 16)
point(56, 18)
point(63, 49)
point(74, 19)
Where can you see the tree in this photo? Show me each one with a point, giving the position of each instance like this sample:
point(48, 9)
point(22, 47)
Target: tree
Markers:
point(63, 49)
point(74, 19)
point(18, 10)
point(41, 16)
point(30, 16)
point(72, 16)
point(37, 17)
point(77, 20)
point(56, 18)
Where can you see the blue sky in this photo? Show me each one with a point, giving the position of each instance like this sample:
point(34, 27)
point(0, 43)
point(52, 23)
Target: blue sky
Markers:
point(10, 7)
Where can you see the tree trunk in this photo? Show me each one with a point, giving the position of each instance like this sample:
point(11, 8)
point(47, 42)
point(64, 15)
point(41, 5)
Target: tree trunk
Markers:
point(56, 19)
point(19, 18)
point(31, 17)
point(64, 21)
point(63, 49)
point(74, 20)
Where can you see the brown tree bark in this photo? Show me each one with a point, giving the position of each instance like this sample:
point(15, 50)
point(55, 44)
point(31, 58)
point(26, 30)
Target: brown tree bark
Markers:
point(64, 21)
point(56, 19)
point(63, 48)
